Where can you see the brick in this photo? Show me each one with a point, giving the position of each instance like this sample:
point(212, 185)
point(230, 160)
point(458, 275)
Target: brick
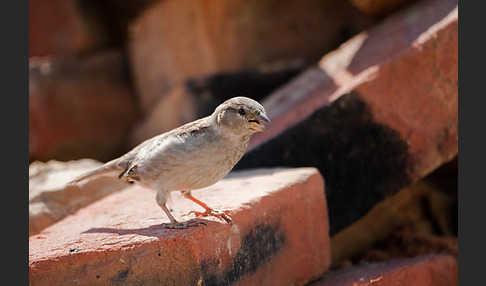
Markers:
point(173, 40)
point(430, 270)
point(279, 236)
point(79, 107)
point(59, 27)
point(375, 115)
point(198, 97)
point(50, 199)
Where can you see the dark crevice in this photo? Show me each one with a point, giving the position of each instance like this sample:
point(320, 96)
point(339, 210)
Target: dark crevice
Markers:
point(113, 16)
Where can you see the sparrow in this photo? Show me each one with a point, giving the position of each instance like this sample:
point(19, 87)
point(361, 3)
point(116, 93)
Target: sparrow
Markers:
point(192, 156)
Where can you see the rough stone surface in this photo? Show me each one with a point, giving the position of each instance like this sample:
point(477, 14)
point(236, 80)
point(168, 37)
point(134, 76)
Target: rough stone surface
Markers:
point(222, 36)
point(50, 199)
point(381, 111)
point(79, 107)
point(431, 270)
point(198, 97)
point(59, 27)
point(279, 236)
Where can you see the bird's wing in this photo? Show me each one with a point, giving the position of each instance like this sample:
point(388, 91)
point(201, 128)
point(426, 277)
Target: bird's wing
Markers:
point(162, 151)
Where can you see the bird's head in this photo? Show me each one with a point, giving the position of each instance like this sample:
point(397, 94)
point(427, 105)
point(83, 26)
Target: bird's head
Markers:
point(241, 116)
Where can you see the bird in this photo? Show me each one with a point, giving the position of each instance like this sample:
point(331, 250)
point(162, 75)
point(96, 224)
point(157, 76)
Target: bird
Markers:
point(193, 156)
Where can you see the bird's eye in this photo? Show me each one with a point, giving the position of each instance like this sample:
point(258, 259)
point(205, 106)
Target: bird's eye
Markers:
point(241, 111)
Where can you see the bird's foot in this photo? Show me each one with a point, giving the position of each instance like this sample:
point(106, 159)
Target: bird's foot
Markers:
point(224, 215)
point(183, 225)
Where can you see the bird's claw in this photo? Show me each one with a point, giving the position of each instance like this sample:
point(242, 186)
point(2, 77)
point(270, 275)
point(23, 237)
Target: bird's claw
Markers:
point(224, 215)
point(183, 225)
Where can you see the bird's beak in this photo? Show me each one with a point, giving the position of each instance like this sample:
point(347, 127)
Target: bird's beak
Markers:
point(259, 123)
point(264, 117)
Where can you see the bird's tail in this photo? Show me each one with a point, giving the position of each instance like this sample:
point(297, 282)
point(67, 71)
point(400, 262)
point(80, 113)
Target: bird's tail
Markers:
point(111, 167)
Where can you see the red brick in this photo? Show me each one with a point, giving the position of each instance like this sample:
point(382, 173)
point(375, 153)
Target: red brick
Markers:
point(279, 236)
point(59, 27)
point(164, 115)
point(431, 270)
point(177, 39)
point(386, 101)
point(405, 70)
point(79, 107)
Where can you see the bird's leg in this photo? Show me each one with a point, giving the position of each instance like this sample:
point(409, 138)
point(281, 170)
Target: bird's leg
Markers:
point(161, 200)
point(208, 211)
point(169, 215)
